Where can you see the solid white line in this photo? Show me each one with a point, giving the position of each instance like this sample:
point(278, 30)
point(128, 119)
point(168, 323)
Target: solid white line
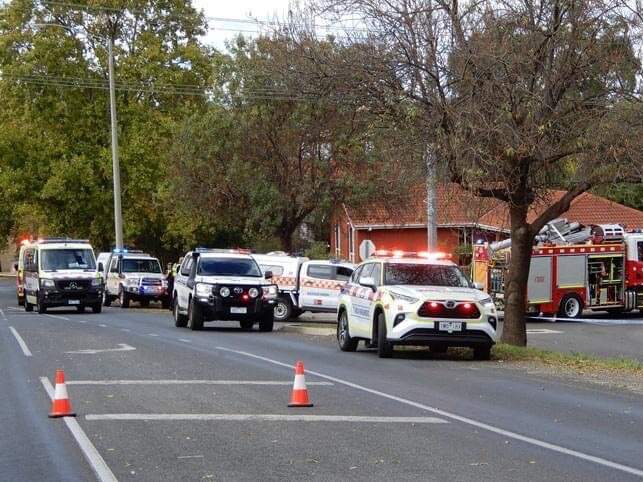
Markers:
point(13, 308)
point(238, 417)
point(21, 342)
point(453, 416)
point(188, 382)
point(97, 463)
point(58, 317)
point(4, 317)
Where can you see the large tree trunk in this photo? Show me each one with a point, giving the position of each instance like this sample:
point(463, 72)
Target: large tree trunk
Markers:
point(514, 328)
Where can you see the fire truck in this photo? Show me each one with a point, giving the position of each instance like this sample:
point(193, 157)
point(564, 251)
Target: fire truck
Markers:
point(598, 268)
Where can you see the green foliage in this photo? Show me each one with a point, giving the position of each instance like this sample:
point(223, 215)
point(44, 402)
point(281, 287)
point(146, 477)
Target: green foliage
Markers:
point(318, 250)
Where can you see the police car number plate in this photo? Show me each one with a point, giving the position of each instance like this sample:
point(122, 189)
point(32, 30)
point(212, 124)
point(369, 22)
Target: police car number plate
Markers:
point(73, 302)
point(238, 309)
point(450, 326)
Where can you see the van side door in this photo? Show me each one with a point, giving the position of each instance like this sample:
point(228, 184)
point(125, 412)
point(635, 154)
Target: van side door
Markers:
point(320, 283)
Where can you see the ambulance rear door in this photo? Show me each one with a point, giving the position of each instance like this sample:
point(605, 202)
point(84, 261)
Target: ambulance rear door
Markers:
point(320, 283)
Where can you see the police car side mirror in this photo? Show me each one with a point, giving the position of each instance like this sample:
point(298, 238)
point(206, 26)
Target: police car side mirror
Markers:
point(267, 274)
point(478, 286)
point(369, 282)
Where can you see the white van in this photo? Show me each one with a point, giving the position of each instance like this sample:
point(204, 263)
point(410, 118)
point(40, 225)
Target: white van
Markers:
point(305, 284)
point(60, 272)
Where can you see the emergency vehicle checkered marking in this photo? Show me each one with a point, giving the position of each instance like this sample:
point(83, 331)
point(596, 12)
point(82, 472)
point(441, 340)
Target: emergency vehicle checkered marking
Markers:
point(319, 283)
point(284, 280)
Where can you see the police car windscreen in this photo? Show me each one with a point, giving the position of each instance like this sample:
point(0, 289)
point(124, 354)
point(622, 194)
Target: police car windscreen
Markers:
point(424, 275)
point(55, 259)
point(141, 266)
point(228, 267)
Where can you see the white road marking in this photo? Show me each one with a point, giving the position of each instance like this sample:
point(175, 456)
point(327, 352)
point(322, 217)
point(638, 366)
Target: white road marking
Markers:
point(453, 416)
point(102, 325)
point(126, 330)
point(58, 317)
point(97, 463)
point(153, 334)
point(240, 417)
point(21, 342)
point(189, 382)
point(82, 321)
point(4, 317)
point(122, 347)
point(13, 308)
point(185, 340)
point(542, 331)
point(190, 457)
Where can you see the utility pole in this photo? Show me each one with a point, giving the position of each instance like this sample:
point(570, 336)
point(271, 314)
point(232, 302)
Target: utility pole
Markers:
point(116, 171)
point(431, 198)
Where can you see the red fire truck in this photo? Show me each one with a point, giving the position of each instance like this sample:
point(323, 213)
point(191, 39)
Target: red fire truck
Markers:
point(605, 272)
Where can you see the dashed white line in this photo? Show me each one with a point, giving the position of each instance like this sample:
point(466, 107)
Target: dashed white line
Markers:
point(126, 330)
point(58, 317)
point(241, 417)
point(152, 334)
point(188, 382)
point(97, 463)
point(4, 317)
point(82, 321)
point(21, 342)
point(453, 416)
point(102, 325)
point(185, 340)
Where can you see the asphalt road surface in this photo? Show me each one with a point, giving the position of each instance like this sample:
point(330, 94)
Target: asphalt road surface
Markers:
point(160, 403)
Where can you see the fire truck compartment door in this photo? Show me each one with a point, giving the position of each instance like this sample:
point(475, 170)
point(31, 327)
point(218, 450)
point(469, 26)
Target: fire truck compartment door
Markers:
point(572, 272)
point(540, 278)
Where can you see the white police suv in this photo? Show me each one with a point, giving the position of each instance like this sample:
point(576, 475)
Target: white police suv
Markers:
point(396, 298)
point(223, 284)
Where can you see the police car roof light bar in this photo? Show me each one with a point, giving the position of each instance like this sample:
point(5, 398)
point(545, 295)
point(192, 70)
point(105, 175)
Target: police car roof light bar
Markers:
point(386, 253)
point(49, 240)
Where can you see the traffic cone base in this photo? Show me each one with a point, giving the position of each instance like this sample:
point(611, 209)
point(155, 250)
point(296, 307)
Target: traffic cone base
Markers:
point(299, 397)
point(61, 406)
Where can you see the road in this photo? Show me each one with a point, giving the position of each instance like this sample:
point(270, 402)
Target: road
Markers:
point(159, 403)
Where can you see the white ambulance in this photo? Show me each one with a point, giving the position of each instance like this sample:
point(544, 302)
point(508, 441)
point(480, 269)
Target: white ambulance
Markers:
point(305, 284)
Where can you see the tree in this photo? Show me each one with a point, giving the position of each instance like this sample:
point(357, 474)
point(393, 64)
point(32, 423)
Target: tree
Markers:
point(519, 97)
point(55, 145)
point(280, 145)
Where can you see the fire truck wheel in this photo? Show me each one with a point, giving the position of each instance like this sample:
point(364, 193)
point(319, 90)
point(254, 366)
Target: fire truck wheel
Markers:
point(571, 306)
point(283, 310)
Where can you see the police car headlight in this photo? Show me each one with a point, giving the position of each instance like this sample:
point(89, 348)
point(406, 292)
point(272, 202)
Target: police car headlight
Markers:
point(404, 298)
point(203, 289)
point(97, 282)
point(224, 292)
point(253, 292)
point(47, 283)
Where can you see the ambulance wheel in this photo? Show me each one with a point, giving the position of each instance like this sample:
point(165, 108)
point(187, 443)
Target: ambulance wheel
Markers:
point(571, 306)
point(283, 309)
point(345, 341)
point(40, 306)
point(180, 321)
point(384, 347)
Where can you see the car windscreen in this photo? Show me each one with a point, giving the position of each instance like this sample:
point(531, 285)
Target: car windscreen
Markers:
point(424, 275)
point(228, 267)
point(67, 258)
point(141, 266)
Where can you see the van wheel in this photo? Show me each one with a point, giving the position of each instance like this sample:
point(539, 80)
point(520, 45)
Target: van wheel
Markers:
point(283, 309)
point(571, 306)
point(180, 321)
point(384, 347)
point(40, 306)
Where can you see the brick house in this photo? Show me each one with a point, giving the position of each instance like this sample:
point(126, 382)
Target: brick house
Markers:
point(462, 219)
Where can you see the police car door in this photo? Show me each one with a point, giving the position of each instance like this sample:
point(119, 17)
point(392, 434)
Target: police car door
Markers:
point(361, 301)
point(180, 282)
point(113, 280)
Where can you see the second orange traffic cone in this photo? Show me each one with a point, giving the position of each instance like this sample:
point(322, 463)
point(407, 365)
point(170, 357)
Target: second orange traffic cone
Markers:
point(299, 397)
point(61, 406)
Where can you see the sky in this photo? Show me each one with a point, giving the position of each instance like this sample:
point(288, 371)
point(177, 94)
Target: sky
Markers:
point(227, 18)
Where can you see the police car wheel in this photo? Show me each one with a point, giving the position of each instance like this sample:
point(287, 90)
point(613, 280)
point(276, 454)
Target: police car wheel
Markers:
point(195, 316)
point(180, 321)
point(123, 297)
point(482, 352)
point(344, 339)
point(266, 322)
point(145, 303)
point(246, 325)
point(384, 347)
point(283, 310)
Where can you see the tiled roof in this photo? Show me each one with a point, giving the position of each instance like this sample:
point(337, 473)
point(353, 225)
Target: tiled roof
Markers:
point(457, 207)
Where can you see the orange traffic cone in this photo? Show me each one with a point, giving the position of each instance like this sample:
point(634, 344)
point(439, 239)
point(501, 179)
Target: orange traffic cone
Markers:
point(299, 397)
point(61, 406)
